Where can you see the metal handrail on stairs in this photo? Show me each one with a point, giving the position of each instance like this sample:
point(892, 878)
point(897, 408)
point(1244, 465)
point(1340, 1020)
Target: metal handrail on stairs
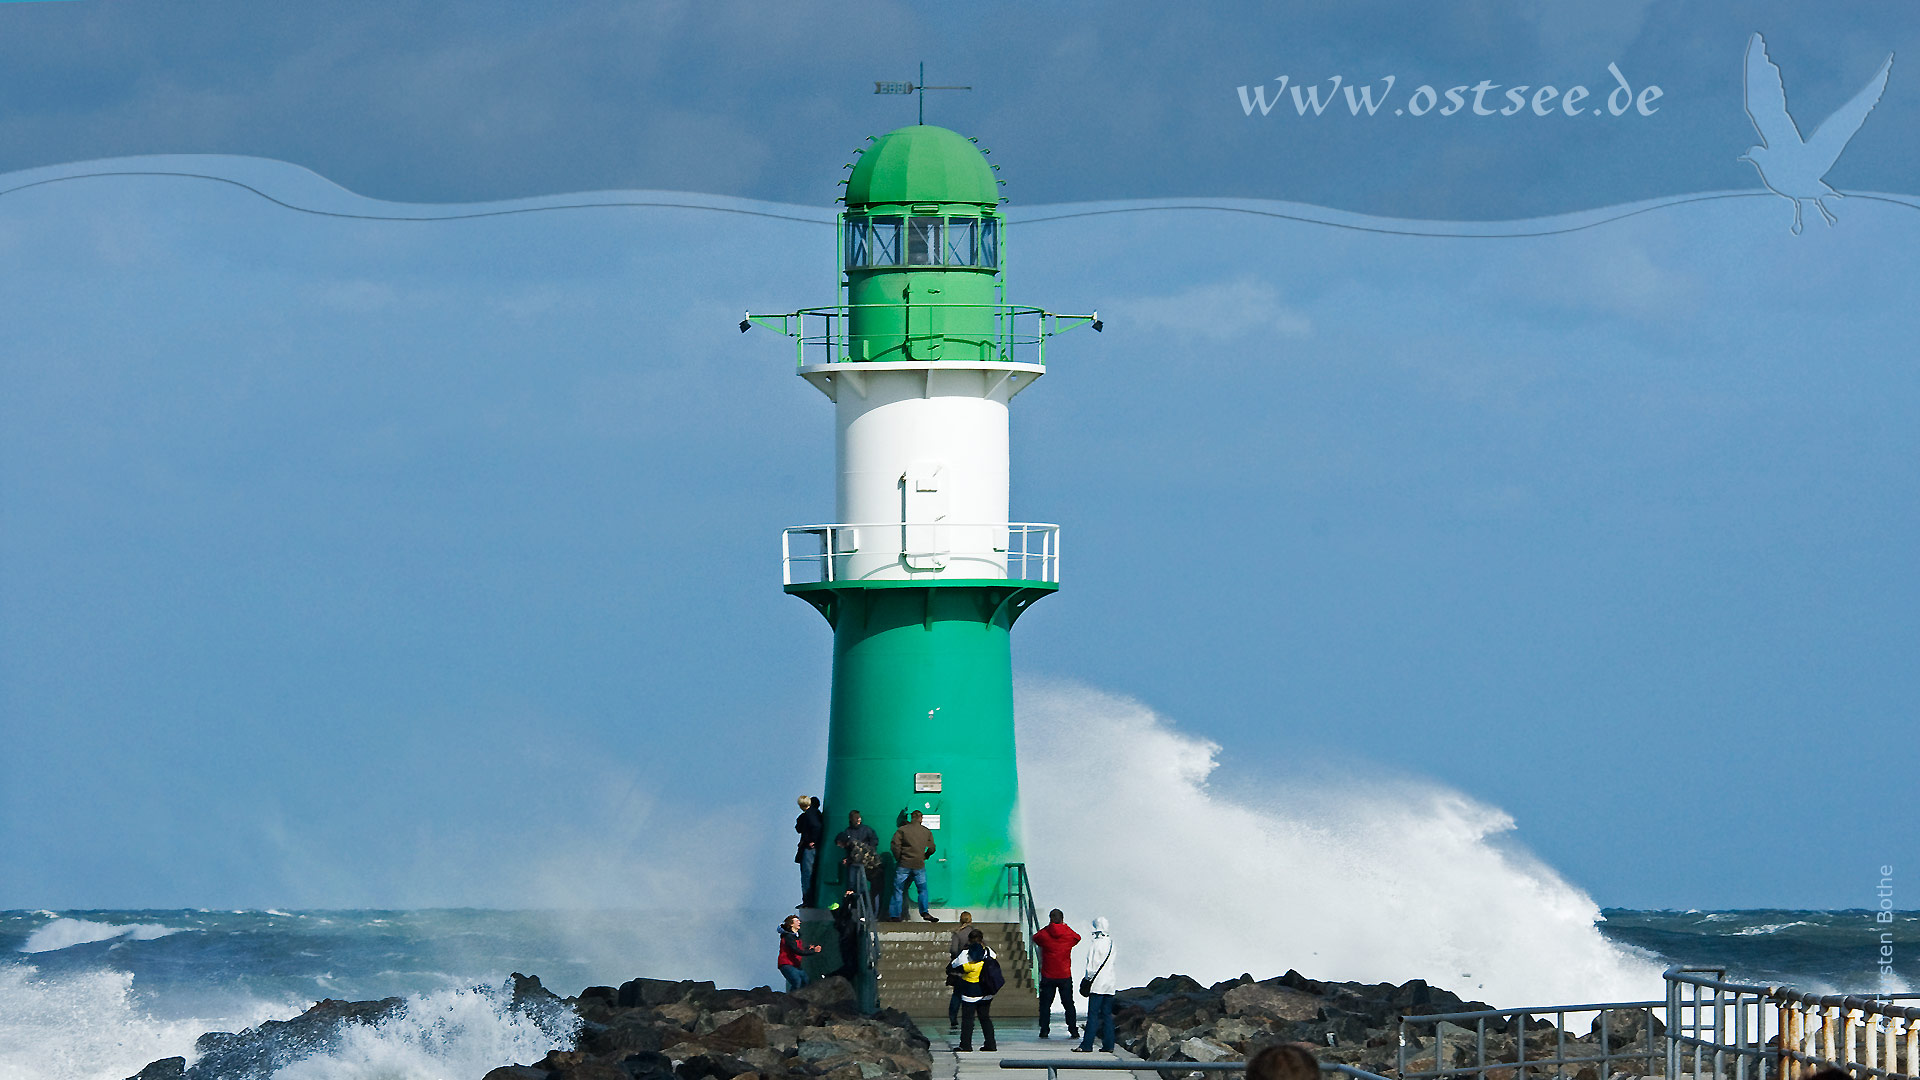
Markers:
point(1020, 899)
point(865, 962)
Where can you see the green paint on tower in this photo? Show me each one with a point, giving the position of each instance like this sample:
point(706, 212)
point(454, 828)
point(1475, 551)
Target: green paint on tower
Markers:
point(920, 363)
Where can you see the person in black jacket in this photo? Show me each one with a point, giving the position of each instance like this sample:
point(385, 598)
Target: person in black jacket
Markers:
point(860, 865)
point(812, 827)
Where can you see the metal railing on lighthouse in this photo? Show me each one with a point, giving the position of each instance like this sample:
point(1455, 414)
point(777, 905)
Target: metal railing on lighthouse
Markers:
point(898, 550)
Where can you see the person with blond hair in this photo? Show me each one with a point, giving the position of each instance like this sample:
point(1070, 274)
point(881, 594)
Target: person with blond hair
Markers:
point(958, 945)
point(812, 827)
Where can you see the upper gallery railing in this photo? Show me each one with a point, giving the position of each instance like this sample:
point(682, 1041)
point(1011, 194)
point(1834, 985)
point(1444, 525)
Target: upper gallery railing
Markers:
point(922, 331)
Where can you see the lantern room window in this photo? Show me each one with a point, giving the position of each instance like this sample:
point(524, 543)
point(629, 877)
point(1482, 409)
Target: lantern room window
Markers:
point(922, 241)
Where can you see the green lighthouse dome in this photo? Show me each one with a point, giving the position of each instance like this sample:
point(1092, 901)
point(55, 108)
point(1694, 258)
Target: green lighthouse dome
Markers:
point(922, 164)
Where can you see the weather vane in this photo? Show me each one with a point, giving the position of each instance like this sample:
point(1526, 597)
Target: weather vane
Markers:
point(920, 88)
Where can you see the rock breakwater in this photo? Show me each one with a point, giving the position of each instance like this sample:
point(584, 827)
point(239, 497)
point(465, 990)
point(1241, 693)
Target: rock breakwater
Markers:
point(644, 1029)
point(1175, 1018)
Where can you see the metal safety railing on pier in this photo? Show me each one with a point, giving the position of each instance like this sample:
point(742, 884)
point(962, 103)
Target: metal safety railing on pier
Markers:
point(1053, 1066)
point(1533, 1044)
point(1706, 1029)
point(1009, 550)
point(1737, 1031)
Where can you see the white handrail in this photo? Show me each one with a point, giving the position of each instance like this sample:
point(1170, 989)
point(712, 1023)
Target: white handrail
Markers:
point(1024, 551)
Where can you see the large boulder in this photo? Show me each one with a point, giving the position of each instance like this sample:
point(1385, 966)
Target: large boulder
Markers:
point(1625, 1028)
point(1198, 1049)
point(832, 992)
point(743, 1032)
point(1271, 1004)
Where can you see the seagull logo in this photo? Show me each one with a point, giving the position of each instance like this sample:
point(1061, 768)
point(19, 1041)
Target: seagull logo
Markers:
point(1792, 167)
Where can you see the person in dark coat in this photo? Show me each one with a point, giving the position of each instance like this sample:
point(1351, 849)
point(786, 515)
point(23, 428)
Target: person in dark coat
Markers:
point(1054, 942)
point(860, 850)
point(847, 928)
point(812, 827)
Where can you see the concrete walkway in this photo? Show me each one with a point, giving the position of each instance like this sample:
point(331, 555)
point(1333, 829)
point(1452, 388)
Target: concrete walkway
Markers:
point(1016, 1038)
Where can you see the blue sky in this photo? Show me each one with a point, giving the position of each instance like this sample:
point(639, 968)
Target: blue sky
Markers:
point(352, 563)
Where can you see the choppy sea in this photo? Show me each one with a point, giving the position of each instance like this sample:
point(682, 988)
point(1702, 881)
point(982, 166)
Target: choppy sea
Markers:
point(95, 995)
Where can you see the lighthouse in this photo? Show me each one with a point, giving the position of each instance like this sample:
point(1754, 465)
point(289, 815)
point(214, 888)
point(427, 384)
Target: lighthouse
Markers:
point(922, 573)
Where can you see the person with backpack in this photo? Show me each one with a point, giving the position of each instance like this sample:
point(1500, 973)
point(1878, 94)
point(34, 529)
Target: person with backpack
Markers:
point(976, 974)
point(1098, 984)
point(961, 935)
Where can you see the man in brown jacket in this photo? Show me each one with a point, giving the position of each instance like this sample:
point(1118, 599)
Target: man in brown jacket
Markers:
point(911, 845)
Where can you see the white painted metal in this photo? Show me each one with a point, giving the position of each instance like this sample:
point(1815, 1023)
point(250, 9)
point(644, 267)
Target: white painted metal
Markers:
point(832, 378)
point(922, 447)
point(1017, 550)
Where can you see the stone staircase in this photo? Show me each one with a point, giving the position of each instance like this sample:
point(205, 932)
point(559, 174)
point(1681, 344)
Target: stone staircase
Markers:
point(913, 970)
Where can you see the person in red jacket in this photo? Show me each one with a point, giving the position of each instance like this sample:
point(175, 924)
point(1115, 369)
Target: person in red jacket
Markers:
point(793, 953)
point(1055, 942)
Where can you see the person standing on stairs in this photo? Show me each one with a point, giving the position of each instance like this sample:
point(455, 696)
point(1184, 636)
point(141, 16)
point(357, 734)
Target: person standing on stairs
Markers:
point(1099, 985)
point(959, 945)
point(860, 865)
point(912, 844)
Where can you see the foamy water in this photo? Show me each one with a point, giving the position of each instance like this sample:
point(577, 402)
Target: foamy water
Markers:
point(449, 1033)
point(90, 1026)
point(1384, 881)
point(66, 933)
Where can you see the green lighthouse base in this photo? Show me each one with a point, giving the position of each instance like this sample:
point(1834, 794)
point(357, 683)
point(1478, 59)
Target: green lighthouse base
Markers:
point(922, 719)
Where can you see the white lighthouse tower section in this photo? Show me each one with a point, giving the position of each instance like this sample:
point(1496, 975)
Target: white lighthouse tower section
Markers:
point(923, 469)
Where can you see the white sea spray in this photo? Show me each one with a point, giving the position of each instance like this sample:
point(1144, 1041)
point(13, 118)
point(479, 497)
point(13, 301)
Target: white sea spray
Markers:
point(88, 1025)
point(447, 1033)
point(1383, 880)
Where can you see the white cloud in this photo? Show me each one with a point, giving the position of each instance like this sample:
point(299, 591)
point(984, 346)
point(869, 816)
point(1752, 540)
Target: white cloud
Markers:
point(1222, 311)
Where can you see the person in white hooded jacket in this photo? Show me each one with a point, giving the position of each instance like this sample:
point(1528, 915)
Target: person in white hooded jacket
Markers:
point(1104, 978)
